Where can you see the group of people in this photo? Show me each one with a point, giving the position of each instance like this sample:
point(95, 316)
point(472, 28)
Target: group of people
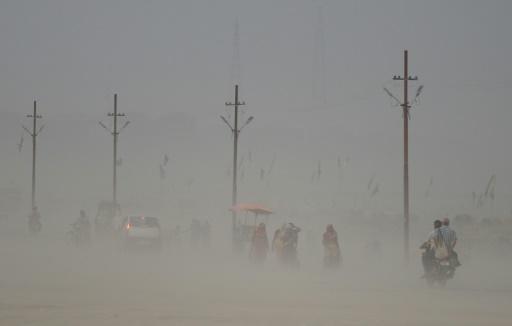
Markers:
point(440, 248)
point(284, 245)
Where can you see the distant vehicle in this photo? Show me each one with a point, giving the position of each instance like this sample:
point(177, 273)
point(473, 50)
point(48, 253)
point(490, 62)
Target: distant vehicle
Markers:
point(141, 231)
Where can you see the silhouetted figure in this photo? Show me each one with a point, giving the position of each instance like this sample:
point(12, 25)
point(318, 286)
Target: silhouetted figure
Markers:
point(289, 240)
point(259, 244)
point(332, 254)
point(450, 240)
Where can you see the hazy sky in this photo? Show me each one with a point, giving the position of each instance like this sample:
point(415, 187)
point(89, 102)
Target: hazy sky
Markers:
point(173, 60)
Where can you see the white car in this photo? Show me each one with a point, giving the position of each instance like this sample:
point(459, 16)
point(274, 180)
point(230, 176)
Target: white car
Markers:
point(141, 231)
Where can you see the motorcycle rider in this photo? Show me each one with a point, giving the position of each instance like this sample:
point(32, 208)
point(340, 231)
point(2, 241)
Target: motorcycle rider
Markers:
point(429, 255)
point(332, 254)
point(450, 238)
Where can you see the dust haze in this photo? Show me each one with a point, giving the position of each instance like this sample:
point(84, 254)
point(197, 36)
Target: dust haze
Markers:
point(325, 147)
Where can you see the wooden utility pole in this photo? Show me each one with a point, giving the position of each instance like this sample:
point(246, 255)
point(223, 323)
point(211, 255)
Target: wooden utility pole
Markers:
point(236, 131)
point(115, 134)
point(34, 133)
point(405, 113)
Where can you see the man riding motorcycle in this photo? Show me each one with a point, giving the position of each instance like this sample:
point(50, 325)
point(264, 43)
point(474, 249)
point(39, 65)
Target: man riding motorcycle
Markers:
point(436, 257)
point(450, 238)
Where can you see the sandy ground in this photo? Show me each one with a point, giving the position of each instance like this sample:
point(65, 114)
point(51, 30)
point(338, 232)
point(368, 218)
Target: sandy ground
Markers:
point(44, 283)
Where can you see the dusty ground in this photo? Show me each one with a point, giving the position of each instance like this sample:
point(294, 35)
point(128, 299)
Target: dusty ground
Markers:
point(44, 283)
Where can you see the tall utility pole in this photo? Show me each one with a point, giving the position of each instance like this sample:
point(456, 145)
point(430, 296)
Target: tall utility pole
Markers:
point(34, 133)
point(115, 134)
point(405, 113)
point(236, 131)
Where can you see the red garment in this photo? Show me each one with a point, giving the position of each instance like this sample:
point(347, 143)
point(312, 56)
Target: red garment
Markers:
point(330, 242)
point(259, 244)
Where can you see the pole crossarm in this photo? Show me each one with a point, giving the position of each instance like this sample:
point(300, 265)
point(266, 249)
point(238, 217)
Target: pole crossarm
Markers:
point(233, 104)
point(236, 104)
point(398, 77)
point(411, 78)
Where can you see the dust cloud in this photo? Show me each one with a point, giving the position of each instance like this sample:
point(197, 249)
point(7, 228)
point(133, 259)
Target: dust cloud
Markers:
point(324, 146)
point(46, 281)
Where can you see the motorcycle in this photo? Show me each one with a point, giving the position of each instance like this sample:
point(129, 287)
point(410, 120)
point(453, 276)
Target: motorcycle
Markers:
point(440, 273)
point(437, 271)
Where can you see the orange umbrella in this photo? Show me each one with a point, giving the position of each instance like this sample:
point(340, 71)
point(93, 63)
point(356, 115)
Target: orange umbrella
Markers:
point(253, 208)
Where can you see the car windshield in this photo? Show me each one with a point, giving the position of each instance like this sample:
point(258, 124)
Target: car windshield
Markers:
point(138, 221)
